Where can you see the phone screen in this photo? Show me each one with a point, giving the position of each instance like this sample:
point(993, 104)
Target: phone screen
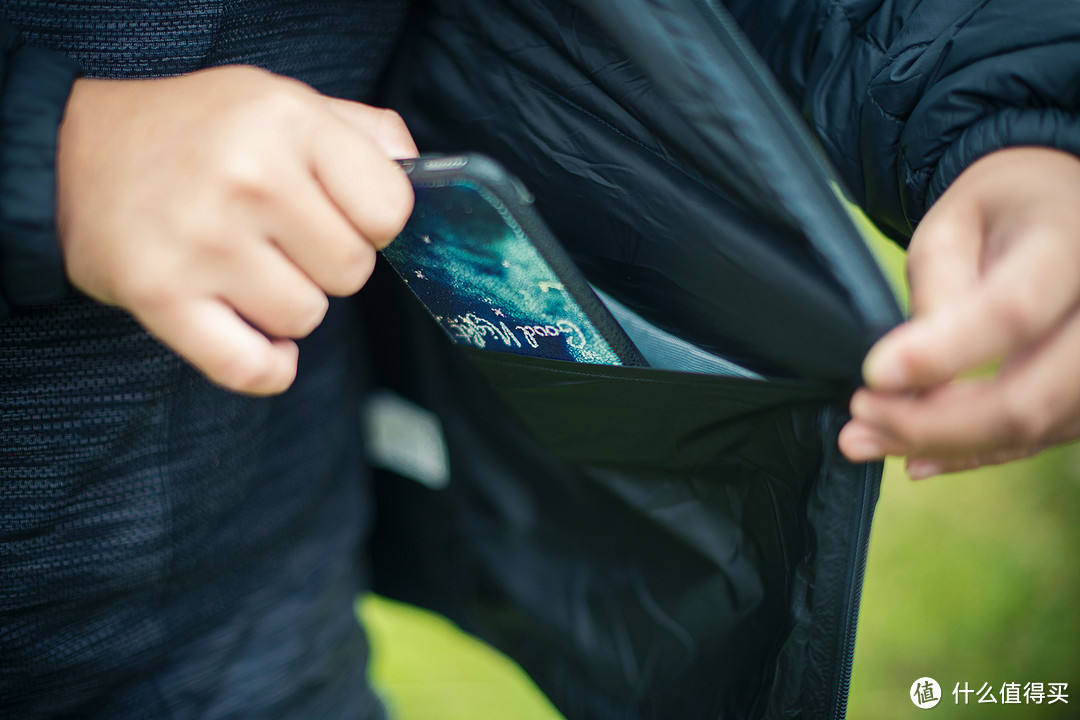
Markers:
point(466, 257)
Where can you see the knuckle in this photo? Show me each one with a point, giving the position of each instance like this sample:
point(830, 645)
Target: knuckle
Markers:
point(383, 227)
point(249, 159)
point(392, 127)
point(282, 103)
point(354, 269)
point(391, 122)
point(244, 174)
point(307, 315)
point(251, 374)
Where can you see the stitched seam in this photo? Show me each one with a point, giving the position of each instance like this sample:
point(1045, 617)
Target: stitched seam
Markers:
point(863, 37)
point(872, 42)
point(837, 5)
point(889, 62)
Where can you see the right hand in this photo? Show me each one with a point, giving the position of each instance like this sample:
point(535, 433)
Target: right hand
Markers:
point(994, 270)
point(221, 208)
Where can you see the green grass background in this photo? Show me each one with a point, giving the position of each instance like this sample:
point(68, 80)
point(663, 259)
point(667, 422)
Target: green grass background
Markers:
point(971, 578)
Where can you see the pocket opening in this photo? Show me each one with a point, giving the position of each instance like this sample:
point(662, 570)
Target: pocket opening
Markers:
point(664, 351)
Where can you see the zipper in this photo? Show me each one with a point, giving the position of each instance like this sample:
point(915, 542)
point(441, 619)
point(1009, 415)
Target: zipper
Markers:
point(870, 492)
point(800, 186)
point(850, 261)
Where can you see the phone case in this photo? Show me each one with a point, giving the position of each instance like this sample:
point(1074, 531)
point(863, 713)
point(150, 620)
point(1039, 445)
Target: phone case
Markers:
point(482, 262)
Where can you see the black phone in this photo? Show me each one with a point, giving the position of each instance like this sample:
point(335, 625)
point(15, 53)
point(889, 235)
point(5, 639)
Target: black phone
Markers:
point(480, 259)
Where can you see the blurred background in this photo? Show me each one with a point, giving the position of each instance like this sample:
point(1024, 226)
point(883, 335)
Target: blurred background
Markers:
point(972, 578)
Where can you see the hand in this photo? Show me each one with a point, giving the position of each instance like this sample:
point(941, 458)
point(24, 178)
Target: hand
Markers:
point(994, 271)
point(222, 207)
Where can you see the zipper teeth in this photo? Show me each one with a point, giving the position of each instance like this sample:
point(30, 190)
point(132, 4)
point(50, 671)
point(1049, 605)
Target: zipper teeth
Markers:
point(868, 295)
point(858, 574)
point(871, 303)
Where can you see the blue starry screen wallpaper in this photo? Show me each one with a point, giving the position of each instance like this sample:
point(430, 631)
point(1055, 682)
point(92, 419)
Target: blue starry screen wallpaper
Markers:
point(468, 260)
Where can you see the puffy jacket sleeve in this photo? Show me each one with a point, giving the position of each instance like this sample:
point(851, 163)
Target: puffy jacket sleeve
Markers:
point(34, 91)
point(905, 94)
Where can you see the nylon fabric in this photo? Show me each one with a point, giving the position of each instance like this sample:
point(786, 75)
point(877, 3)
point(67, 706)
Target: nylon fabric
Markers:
point(647, 544)
point(905, 94)
point(634, 538)
point(595, 140)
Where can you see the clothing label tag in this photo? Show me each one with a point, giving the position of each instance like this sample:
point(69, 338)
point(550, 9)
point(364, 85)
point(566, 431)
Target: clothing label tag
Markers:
point(406, 439)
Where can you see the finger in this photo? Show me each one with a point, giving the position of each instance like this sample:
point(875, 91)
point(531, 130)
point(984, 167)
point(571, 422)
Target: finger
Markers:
point(923, 468)
point(369, 188)
point(1030, 403)
point(323, 243)
point(231, 353)
point(955, 420)
point(1021, 298)
point(862, 442)
point(274, 295)
point(384, 126)
point(943, 257)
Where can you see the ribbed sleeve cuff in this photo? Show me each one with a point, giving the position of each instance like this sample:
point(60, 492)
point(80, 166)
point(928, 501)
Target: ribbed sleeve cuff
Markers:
point(36, 91)
point(1009, 127)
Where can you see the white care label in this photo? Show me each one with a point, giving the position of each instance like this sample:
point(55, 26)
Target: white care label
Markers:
point(404, 438)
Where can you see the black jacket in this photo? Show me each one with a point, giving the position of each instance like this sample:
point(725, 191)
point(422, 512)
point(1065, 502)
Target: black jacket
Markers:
point(652, 544)
point(649, 544)
point(153, 524)
point(36, 86)
point(903, 95)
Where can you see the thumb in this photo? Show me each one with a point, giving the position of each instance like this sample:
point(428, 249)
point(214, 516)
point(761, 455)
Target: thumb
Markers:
point(944, 255)
point(943, 261)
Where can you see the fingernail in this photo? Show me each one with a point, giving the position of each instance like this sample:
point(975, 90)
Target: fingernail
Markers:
point(861, 444)
point(922, 469)
point(862, 408)
point(862, 450)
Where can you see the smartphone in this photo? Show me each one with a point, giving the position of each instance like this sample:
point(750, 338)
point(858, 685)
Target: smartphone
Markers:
point(480, 259)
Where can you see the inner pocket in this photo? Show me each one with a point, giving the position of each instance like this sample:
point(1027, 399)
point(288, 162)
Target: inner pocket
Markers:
point(621, 416)
point(665, 351)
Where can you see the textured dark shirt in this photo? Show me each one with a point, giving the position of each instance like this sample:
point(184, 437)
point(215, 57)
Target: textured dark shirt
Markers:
point(167, 548)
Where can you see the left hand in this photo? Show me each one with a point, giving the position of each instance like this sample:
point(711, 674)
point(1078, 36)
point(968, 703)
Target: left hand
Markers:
point(994, 272)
